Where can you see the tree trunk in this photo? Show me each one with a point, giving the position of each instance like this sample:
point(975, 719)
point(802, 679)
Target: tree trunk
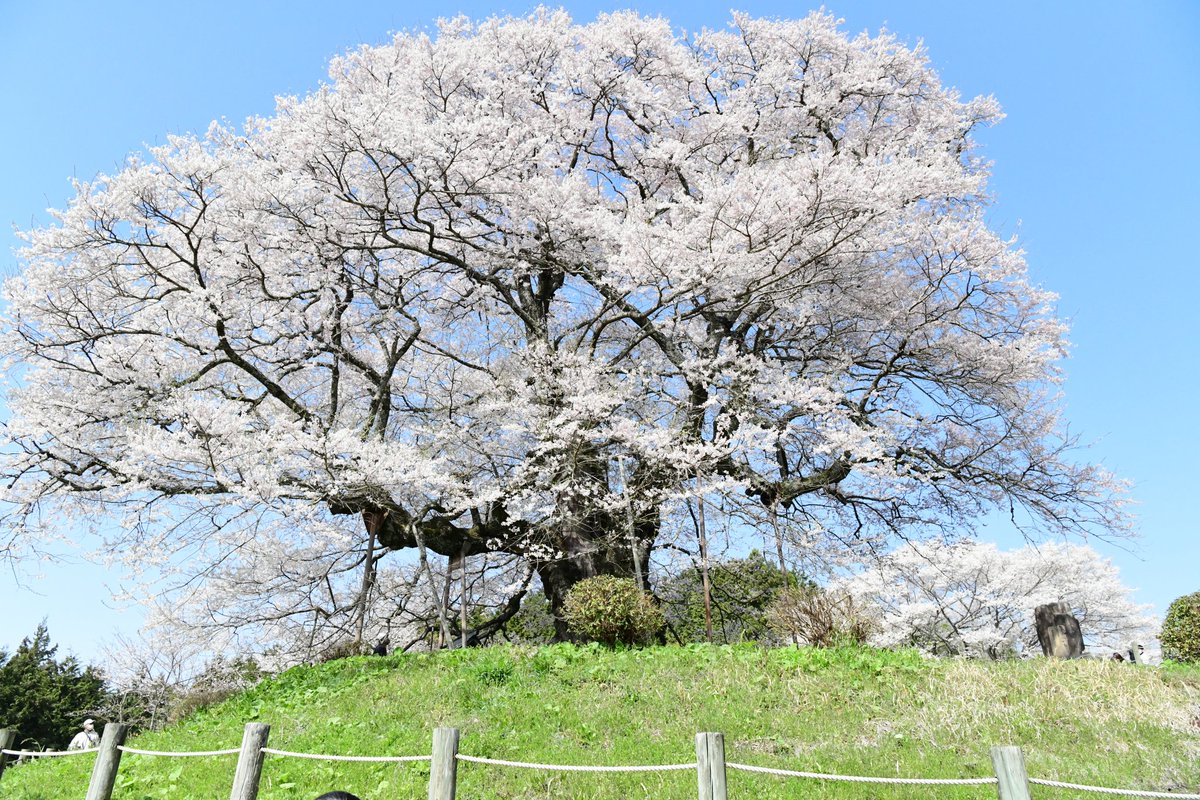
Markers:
point(593, 543)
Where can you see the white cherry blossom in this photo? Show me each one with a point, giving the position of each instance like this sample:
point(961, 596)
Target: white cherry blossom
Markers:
point(450, 289)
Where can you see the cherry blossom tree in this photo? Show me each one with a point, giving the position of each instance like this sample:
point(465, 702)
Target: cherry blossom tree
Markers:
point(520, 287)
point(970, 598)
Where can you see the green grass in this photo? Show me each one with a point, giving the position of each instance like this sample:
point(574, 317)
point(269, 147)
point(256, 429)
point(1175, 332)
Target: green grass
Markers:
point(850, 710)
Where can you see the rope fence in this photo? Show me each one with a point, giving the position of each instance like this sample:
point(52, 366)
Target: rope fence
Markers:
point(1105, 790)
point(789, 773)
point(710, 767)
point(320, 757)
point(179, 754)
point(48, 753)
point(576, 767)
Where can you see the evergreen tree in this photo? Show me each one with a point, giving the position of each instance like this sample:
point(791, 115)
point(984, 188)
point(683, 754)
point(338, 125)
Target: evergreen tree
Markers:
point(43, 698)
point(742, 591)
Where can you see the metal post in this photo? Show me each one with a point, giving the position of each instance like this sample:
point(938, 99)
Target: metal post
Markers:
point(250, 761)
point(104, 772)
point(443, 771)
point(1009, 763)
point(710, 766)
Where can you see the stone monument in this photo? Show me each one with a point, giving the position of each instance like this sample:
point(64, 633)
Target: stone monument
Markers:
point(1058, 631)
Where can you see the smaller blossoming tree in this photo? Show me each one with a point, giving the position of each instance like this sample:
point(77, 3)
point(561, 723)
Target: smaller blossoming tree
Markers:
point(970, 598)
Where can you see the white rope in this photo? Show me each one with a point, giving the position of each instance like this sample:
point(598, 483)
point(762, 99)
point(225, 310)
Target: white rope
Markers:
point(1106, 790)
point(344, 758)
point(45, 753)
point(863, 778)
point(575, 767)
point(182, 754)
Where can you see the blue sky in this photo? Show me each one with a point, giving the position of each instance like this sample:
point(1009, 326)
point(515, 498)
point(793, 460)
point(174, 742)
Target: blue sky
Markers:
point(1096, 170)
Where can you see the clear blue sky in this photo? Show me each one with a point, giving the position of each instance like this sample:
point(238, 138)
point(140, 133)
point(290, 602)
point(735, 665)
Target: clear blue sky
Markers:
point(1096, 169)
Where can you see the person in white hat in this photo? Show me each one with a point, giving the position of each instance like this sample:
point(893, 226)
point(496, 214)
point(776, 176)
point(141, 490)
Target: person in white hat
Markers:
point(86, 738)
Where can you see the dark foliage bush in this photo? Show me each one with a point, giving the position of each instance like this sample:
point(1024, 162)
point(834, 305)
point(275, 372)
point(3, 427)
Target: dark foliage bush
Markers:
point(534, 623)
point(742, 589)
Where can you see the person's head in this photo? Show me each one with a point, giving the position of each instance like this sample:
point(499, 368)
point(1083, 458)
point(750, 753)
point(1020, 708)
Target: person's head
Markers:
point(89, 724)
point(339, 795)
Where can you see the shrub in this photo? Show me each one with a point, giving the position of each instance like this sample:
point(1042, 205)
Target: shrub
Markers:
point(811, 615)
point(1180, 635)
point(742, 591)
point(343, 648)
point(612, 611)
point(534, 623)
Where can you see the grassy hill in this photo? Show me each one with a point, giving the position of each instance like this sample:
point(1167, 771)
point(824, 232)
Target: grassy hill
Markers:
point(852, 711)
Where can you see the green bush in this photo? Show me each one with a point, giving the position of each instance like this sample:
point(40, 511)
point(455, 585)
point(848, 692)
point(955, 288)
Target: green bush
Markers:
point(612, 611)
point(534, 623)
point(1180, 635)
point(742, 590)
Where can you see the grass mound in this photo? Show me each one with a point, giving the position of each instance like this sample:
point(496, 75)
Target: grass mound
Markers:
point(846, 710)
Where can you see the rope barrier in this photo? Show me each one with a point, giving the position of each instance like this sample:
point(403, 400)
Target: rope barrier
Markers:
point(575, 767)
point(320, 757)
point(1106, 790)
point(788, 773)
point(48, 753)
point(181, 754)
point(863, 778)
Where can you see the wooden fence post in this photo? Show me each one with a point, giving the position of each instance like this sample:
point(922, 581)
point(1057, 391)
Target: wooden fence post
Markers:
point(1009, 763)
point(7, 737)
point(710, 766)
point(250, 761)
point(104, 771)
point(443, 770)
